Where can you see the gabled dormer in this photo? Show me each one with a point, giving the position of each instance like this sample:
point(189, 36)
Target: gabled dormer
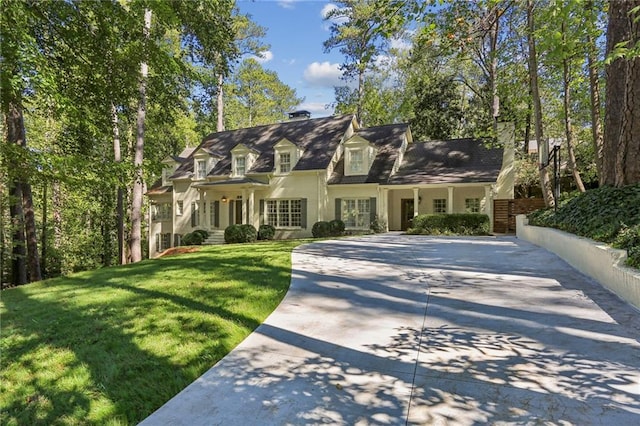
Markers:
point(203, 162)
point(286, 155)
point(242, 158)
point(169, 166)
point(359, 154)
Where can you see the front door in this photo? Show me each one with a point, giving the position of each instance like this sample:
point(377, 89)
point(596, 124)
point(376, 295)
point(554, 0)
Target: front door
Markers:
point(238, 212)
point(406, 210)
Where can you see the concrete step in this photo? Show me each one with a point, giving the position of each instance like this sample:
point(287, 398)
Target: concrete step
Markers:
point(215, 238)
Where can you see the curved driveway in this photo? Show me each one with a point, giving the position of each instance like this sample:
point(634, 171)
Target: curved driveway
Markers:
point(394, 329)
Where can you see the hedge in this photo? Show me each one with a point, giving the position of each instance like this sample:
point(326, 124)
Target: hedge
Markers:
point(448, 224)
point(192, 239)
point(266, 232)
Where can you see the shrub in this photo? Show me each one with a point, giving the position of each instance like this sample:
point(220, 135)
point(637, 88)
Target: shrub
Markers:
point(448, 224)
point(321, 229)
point(266, 232)
point(336, 228)
point(378, 226)
point(605, 214)
point(204, 233)
point(240, 234)
point(192, 239)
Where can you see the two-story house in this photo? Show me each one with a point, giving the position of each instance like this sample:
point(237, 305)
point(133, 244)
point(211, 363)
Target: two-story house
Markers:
point(295, 173)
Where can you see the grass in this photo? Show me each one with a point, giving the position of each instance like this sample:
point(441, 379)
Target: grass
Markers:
point(111, 346)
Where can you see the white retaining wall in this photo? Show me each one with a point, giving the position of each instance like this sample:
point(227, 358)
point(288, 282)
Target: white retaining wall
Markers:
point(592, 258)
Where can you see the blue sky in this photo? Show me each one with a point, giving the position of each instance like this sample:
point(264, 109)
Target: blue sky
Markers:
point(296, 32)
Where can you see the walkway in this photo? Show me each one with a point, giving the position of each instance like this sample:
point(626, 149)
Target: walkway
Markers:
point(397, 329)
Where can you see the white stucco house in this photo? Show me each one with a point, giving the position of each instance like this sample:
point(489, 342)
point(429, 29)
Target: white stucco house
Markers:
point(295, 173)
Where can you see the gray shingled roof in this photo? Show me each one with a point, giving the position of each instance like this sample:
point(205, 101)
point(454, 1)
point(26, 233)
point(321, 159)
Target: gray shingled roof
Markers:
point(450, 161)
point(318, 138)
point(387, 140)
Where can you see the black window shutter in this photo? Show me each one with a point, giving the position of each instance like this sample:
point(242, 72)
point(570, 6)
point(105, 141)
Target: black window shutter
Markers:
point(372, 209)
point(216, 214)
point(157, 243)
point(303, 212)
point(261, 212)
point(338, 208)
point(231, 217)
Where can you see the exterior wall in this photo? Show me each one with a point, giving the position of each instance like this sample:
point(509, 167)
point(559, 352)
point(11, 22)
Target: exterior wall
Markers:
point(427, 195)
point(184, 192)
point(349, 191)
point(597, 260)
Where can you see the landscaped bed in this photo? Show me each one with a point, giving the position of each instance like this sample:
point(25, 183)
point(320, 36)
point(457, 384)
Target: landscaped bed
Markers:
point(610, 215)
point(111, 346)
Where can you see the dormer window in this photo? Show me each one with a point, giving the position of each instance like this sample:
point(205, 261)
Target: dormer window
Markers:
point(356, 161)
point(285, 162)
point(240, 166)
point(201, 169)
point(359, 155)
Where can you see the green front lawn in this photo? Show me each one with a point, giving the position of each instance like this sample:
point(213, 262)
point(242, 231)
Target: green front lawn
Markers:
point(111, 346)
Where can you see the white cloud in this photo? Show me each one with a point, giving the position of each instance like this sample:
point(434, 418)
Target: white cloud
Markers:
point(289, 61)
point(323, 74)
point(328, 8)
point(317, 109)
point(400, 44)
point(263, 57)
point(286, 4)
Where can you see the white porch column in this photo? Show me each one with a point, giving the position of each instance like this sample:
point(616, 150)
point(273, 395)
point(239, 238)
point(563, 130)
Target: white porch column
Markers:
point(416, 201)
point(251, 215)
point(450, 200)
point(487, 200)
point(244, 206)
point(385, 207)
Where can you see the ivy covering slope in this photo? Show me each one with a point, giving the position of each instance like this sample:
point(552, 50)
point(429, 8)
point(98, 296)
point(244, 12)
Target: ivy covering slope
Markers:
point(607, 214)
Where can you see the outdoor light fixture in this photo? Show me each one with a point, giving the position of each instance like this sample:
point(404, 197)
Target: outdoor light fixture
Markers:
point(224, 198)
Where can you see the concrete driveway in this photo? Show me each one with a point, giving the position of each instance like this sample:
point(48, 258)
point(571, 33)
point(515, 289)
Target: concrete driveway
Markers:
point(395, 329)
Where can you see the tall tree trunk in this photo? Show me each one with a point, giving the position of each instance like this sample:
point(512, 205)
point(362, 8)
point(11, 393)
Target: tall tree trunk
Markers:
point(621, 143)
point(117, 157)
point(22, 214)
point(594, 89)
point(493, 70)
point(136, 196)
point(545, 182)
point(19, 245)
point(33, 257)
point(360, 98)
point(566, 87)
point(43, 255)
point(220, 104)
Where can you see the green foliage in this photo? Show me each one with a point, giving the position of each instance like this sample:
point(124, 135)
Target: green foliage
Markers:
point(336, 228)
point(448, 224)
point(266, 232)
point(378, 226)
point(244, 233)
point(321, 229)
point(192, 239)
point(109, 347)
point(629, 239)
point(203, 233)
point(606, 214)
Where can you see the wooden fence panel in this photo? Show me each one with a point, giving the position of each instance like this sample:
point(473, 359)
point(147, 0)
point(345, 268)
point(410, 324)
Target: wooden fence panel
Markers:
point(505, 212)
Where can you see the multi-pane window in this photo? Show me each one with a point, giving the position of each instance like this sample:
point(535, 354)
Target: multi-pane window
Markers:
point(163, 241)
point(356, 212)
point(356, 161)
point(161, 211)
point(440, 205)
point(201, 165)
point(285, 162)
point(240, 165)
point(284, 213)
point(179, 208)
point(472, 205)
point(195, 215)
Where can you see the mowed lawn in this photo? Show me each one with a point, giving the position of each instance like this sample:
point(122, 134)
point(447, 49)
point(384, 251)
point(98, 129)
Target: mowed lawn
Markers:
point(111, 346)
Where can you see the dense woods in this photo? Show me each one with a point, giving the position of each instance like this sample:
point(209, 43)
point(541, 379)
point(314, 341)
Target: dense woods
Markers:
point(96, 93)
